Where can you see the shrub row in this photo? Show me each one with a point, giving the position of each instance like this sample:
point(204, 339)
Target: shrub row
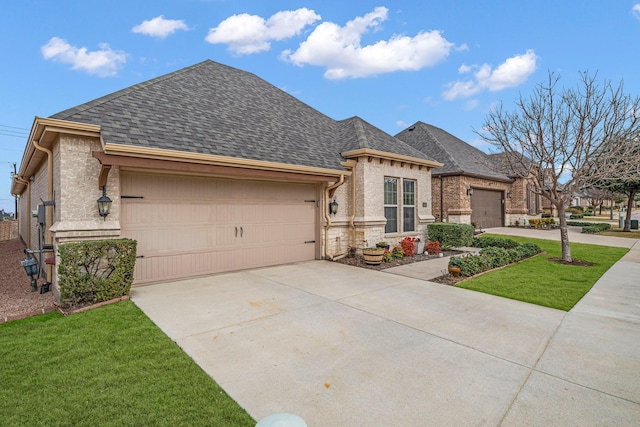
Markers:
point(590, 227)
point(94, 271)
point(451, 235)
point(542, 222)
point(499, 242)
point(493, 256)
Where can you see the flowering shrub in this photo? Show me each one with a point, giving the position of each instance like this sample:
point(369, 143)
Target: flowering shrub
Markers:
point(388, 256)
point(433, 247)
point(409, 246)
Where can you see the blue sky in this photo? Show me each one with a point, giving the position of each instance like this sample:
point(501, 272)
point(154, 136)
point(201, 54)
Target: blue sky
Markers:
point(391, 63)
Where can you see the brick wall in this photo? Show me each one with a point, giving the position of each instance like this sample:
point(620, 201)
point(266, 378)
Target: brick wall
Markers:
point(8, 230)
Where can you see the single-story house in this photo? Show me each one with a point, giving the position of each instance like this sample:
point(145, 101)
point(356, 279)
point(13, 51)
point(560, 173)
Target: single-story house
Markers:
point(471, 187)
point(212, 169)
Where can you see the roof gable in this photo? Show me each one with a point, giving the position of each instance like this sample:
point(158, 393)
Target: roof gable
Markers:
point(214, 109)
point(458, 157)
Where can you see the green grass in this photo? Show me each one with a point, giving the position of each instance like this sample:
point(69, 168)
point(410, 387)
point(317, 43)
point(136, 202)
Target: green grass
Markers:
point(110, 366)
point(540, 281)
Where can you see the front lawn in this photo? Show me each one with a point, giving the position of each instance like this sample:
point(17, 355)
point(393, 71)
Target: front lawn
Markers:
point(110, 366)
point(540, 281)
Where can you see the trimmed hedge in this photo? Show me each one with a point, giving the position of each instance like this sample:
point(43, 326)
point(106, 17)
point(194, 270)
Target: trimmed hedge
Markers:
point(590, 227)
point(451, 235)
point(484, 242)
point(94, 271)
point(503, 253)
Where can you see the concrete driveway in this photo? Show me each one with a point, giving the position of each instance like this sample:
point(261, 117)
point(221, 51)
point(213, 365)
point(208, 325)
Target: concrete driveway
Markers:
point(343, 346)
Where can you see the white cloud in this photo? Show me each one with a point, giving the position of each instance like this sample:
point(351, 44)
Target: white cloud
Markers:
point(339, 49)
point(635, 10)
point(104, 62)
point(246, 34)
point(471, 104)
point(511, 73)
point(160, 27)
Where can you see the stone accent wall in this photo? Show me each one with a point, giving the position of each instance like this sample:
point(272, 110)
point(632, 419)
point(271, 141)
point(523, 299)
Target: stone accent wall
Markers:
point(8, 230)
point(368, 207)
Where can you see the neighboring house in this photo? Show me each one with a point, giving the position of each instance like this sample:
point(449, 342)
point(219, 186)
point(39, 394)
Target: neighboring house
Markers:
point(470, 188)
point(212, 169)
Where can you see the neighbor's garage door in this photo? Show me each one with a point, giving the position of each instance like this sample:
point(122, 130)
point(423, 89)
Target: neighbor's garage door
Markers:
point(192, 226)
point(486, 208)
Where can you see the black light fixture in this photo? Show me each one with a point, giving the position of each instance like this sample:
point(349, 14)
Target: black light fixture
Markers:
point(333, 207)
point(104, 204)
point(469, 191)
point(509, 194)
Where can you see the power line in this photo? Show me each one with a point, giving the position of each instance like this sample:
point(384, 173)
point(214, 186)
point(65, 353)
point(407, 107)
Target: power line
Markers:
point(12, 127)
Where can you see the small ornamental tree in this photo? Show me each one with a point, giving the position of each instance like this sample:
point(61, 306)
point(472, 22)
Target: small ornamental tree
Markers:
point(566, 140)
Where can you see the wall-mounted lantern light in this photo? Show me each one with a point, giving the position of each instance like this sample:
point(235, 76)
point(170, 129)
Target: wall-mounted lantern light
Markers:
point(333, 207)
point(509, 194)
point(469, 191)
point(104, 204)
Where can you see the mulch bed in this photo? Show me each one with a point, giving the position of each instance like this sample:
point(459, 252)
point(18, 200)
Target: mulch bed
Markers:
point(358, 260)
point(16, 298)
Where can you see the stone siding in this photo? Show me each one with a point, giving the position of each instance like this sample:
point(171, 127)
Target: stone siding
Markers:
point(368, 207)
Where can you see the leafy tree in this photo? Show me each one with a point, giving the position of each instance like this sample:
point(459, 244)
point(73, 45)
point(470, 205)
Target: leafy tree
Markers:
point(564, 140)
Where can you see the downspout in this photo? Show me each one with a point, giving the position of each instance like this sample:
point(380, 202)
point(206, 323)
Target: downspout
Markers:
point(327, 195)
point(49, 212)
point(441, 200)
point(27, 184)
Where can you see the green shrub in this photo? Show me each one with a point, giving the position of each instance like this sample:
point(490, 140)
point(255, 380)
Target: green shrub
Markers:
point(590, 227)
point(95, 271)
point(451, 235)
point(596, 228)
point(397, 252)
point(497, 256)
point(493, 256)
point(484, 242)
point(546, 215)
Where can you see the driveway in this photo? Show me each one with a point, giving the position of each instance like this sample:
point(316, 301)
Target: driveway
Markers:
point(343, 346)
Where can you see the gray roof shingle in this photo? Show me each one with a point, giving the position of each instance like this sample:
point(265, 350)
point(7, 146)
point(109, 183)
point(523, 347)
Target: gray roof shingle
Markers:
point(458, 157)
point(210, 108)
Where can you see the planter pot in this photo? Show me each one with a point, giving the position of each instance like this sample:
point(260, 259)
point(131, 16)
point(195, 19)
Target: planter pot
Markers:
point(454, 271)
point(378, 245)
point(373, 256)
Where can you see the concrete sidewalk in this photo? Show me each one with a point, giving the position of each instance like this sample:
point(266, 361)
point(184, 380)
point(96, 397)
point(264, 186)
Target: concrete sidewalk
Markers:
point(343, 346)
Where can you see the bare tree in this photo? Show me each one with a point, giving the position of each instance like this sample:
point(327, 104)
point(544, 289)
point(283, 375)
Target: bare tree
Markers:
point(565, 140)
point(596, 198)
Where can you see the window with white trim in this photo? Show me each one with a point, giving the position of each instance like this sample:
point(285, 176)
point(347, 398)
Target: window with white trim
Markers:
point(391, 204)
point(409, 205)
point(395, 204)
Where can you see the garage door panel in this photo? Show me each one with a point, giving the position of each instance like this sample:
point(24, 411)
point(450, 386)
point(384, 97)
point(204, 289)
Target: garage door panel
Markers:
point(487, 208)
point(186, 226)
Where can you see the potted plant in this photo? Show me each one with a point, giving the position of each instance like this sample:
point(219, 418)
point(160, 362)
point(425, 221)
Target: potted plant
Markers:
point(420, 245)
point(383, 245)
point(455, 266)
point(373, 256)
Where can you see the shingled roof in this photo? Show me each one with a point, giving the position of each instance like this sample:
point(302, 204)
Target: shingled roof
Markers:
point(458, 157)
point(210, 108)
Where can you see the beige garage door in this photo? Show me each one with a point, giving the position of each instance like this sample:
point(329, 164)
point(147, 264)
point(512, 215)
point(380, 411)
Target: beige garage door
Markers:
point(486, 208)
point(192, 226)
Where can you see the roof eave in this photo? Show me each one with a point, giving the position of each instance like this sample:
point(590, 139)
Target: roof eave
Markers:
point(209, 159)
point(367, 152)
point(44, 131)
